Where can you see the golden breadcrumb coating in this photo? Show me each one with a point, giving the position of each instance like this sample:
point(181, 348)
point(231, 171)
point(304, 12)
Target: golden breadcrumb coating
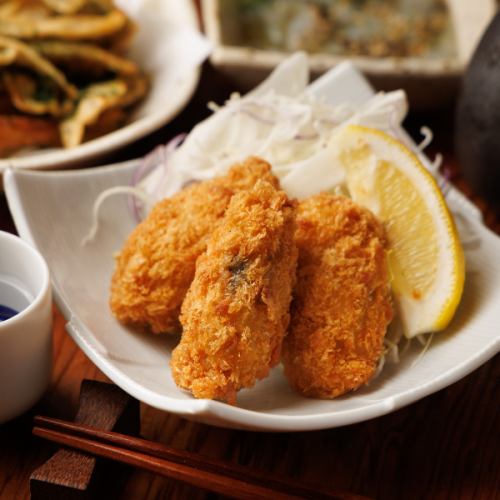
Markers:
point(236, 312)
point(342, 303)
point(157, 263)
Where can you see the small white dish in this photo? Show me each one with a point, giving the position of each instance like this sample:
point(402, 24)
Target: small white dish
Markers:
point(25, 338)
point(248, 65)
point(170, 49)
point(139, 363)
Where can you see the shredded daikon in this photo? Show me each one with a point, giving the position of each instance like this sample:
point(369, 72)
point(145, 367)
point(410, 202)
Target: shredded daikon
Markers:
point(100, 200)
point(378, 370)
point(291, 128)
point(428, 136)
point(290, 132)
point(426, 343)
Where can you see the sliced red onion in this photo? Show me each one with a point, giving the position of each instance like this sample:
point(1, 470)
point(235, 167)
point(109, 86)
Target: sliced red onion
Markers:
point(444, 184)
point(157, 158)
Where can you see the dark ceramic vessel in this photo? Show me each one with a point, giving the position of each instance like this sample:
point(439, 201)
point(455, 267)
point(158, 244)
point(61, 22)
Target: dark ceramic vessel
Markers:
point(477, 130)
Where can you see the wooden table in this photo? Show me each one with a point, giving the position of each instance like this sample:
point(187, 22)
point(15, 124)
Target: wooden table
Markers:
point(444, 446)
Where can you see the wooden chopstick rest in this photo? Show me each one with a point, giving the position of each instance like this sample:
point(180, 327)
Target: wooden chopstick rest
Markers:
point(74, 474)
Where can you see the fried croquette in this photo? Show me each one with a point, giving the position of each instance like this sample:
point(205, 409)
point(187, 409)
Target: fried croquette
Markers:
point(342, 303)
point(157, 263)
point(236, 311)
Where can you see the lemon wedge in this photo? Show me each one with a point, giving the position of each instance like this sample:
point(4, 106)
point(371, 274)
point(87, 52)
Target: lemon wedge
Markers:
point(425, 257)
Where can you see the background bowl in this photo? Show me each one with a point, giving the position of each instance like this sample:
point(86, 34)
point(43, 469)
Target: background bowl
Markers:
point(248, 66)
point(163, 27)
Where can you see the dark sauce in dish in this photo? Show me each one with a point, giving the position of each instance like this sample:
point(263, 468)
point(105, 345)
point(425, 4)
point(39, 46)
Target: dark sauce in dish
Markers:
point(6, 313)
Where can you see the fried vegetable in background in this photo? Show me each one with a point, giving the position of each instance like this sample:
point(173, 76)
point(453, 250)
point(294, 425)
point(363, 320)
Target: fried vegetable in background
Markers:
point(42, 9)
point(7, 55)
point(78, 58)
point(75, 27)
point(24, 9)
point(137, 86)
point(6, 106)
point(65, 6)
point(34, 95)
point(95, 100)
point(108, 121)
point(157, 262)
point(342, 302)
point(98, 6)
point(20, 131)
point(120, 42)
point(28, 58)
point(236, 311)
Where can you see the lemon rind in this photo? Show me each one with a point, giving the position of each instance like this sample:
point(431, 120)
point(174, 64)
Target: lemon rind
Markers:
point(441, 309)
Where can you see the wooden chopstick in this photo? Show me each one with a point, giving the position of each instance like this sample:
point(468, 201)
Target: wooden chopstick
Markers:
point(204, 472)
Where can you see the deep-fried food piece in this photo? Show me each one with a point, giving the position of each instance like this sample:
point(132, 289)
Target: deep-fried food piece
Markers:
point(157, 263)
point(84, 58)
point(236, 312)
point(109, 120)
point(96, 99)
point(342, 302)
point(14, 52)
point(24, 131)
point(70, 27)
point(34, 95)
point(65, 6)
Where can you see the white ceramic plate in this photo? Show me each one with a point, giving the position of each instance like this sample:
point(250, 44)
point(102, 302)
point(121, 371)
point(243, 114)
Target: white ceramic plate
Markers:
point(164, 28)
point(53, 211)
